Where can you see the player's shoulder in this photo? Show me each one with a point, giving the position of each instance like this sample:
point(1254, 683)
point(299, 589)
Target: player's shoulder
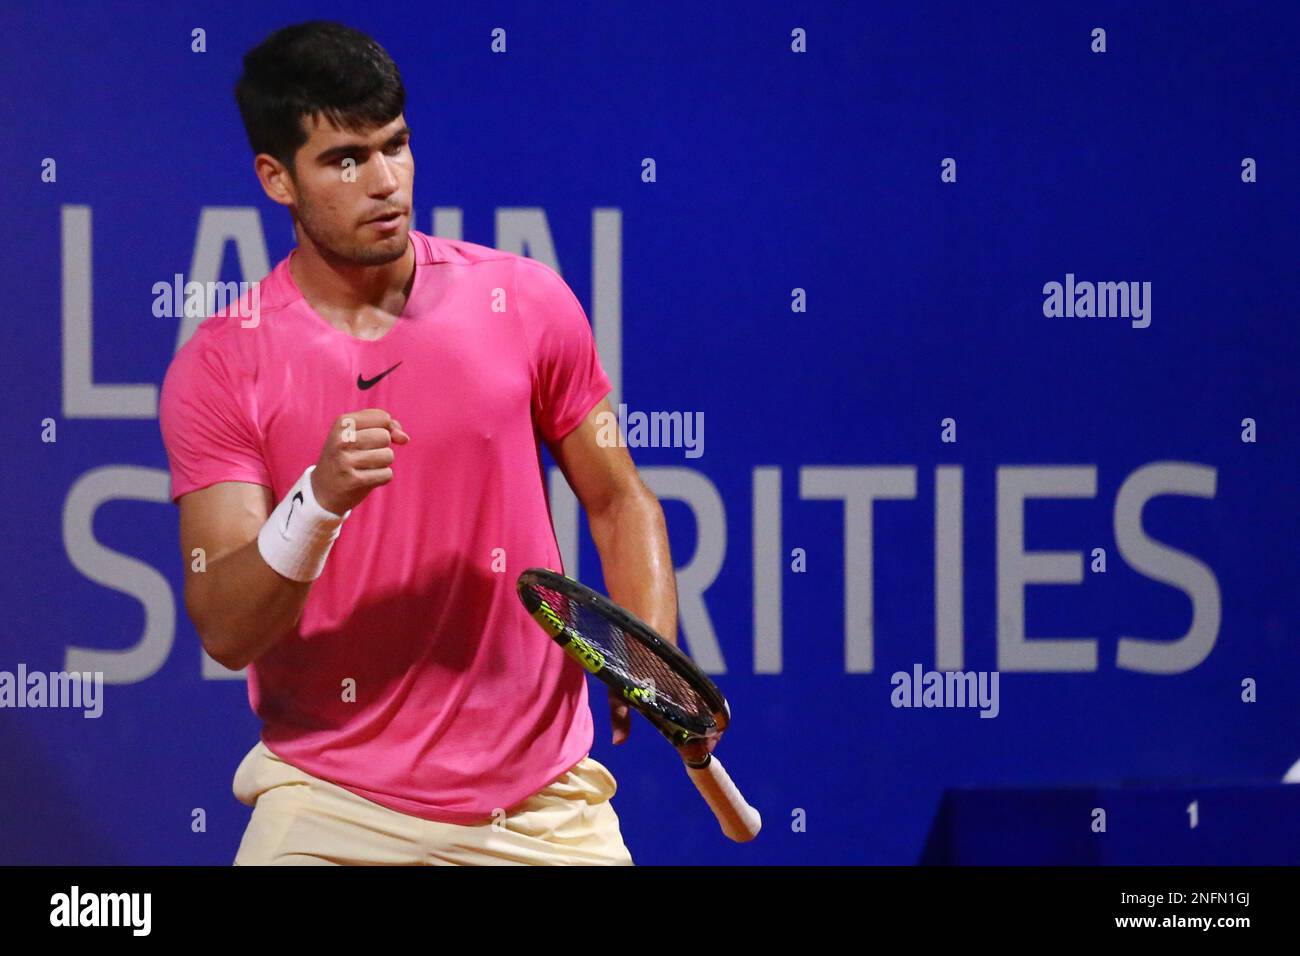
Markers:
point(460, 252)
point(457, 251)
point(539, 291)
point(201, 358)
point(230, 333)
point(221, 345)
point(219, 341)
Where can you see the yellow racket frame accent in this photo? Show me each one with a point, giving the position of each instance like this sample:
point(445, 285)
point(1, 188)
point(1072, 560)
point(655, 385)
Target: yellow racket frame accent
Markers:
point(576, 647)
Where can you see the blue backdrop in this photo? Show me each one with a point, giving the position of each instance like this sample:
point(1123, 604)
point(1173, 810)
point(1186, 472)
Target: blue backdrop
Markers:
point(840, 260)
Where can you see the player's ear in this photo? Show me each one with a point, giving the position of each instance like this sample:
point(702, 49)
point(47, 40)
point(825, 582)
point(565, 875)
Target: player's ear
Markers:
point(275, 178)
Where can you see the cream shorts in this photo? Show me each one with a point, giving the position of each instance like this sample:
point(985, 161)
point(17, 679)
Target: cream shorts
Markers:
point(301, 819)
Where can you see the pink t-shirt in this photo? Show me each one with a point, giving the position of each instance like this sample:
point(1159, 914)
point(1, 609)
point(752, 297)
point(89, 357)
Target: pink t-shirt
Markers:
point(462, 704)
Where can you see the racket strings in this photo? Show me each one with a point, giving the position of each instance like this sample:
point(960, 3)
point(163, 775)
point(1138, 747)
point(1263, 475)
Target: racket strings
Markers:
point(632, 661)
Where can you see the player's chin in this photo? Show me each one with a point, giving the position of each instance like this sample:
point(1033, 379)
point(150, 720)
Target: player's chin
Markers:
point(377, 251)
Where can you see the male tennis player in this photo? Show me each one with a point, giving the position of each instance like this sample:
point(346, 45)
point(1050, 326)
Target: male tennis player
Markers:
point(360, 466)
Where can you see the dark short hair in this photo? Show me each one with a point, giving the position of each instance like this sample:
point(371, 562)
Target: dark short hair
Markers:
point(319, 68)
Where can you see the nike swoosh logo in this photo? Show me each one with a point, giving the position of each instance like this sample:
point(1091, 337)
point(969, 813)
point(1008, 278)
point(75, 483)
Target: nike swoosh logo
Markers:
point(297, 500)
point(365, 383)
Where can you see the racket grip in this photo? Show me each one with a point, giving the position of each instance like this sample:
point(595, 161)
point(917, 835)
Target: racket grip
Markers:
point(739, 821)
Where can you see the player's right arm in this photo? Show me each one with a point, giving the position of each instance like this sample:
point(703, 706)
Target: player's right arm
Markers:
point(240, 605)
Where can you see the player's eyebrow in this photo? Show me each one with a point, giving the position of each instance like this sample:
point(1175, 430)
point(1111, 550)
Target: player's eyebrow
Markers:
point(335, 153)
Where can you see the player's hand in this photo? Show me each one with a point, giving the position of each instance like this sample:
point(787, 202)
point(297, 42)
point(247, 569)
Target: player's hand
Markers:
point(620, 716)
point(356, 459)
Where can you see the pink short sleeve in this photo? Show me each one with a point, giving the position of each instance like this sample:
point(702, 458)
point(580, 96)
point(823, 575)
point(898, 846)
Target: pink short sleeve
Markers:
point(568, 379)
point(206, 425)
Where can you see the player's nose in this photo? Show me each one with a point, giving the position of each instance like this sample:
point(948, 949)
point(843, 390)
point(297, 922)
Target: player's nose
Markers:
point(384, 182)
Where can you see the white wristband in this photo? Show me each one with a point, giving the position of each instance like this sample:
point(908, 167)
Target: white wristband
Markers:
point(296, 539)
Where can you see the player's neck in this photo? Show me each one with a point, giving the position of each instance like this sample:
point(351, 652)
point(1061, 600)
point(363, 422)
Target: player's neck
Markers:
point(336, 285)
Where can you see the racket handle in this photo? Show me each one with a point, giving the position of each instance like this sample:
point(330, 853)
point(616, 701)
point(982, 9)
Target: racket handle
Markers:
point(740, 821)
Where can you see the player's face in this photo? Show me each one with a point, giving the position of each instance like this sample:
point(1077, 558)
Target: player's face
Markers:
point(345, 182)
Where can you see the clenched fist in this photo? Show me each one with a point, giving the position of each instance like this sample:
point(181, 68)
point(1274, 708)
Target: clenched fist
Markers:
point(356, 459)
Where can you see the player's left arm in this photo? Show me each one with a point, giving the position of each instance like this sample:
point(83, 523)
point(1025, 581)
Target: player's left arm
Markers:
point(627, 524)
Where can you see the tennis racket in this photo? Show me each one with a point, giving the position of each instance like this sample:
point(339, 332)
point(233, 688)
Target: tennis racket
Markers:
point(654, 677)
